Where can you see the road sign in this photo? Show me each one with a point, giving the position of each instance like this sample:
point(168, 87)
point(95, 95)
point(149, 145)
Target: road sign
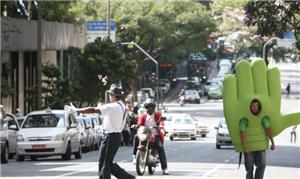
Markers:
point(97, 29)
point(287, 43)
point(289, 35)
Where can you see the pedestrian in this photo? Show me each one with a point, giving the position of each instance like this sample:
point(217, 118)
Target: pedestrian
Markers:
point(257, 158)
point(293, 133)
point(113, 124)
point(288, 89)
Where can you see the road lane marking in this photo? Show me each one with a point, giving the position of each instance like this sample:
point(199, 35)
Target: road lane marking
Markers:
point(207, 174)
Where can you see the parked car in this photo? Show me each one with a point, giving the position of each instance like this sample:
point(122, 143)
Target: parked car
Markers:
point(98, 130)
point(95, 136)
point(182, 127)
point(223, 138)
point(192, 96)
point(85, 141)
point(8, 136)
point(49, 132)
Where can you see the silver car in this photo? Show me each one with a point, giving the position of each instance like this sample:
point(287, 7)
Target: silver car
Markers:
point(223, 137)
point(8, 137)
point(49, 132)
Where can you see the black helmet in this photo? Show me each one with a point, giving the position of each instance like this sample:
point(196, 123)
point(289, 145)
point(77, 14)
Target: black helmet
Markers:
point(149, 102)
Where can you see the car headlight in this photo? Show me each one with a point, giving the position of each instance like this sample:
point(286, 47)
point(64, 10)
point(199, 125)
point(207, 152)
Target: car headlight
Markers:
point(59, 137)
point(20, 138)
point(143, 137)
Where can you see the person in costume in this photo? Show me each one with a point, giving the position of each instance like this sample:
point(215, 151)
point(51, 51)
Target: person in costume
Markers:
point(257, 158)
point(251, 103)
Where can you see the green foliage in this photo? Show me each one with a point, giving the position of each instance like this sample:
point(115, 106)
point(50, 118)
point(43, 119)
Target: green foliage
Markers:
point(101, 57)
point(56, 92)
point(57, 11)
point(5, 88)
point(273, 19)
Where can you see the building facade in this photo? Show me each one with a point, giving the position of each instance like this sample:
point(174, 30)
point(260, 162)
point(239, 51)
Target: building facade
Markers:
point(19, 44)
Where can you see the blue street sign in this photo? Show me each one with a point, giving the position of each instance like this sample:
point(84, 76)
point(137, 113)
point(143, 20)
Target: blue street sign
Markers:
point(288, 35)
point(100, 25)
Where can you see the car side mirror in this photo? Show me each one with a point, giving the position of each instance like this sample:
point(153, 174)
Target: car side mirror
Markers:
point(13, 127)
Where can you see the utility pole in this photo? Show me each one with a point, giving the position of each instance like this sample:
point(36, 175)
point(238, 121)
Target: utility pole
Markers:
point(39, 58)
point(156, 67)
point(108, 19)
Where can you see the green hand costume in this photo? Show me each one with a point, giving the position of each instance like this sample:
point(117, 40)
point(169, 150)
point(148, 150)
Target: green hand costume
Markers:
point(254, 81)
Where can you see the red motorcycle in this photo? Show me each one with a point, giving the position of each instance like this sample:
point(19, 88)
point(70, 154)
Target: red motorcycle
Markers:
point(147, 155)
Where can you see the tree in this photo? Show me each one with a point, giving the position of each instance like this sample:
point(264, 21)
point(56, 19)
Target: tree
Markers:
point(56, 92)
point(101, 57)
point(52, 10)
point(274, 18)
point(164, 29)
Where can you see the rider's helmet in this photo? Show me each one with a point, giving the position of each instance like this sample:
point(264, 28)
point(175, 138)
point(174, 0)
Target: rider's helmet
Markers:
point(149, 103)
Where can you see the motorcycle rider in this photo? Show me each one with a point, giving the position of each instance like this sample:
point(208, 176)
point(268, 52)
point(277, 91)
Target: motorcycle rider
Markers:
point(181, 97)
point(151, 119)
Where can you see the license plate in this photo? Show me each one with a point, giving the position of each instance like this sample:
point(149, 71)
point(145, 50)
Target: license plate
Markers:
point(38, 147)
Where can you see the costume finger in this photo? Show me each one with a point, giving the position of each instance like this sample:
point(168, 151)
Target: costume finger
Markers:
point(274, 88)
point(259, 72)
point(244, 79)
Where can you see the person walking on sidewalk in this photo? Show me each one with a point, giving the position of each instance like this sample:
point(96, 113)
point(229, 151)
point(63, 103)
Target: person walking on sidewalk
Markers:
point(293, 133)
point(288, 90)
point(113, 123)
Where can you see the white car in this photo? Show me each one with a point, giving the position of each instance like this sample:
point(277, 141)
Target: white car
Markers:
point(182, 127)
point(8, 137)
point(223, 137)
point(150, 91)
point(46, 133)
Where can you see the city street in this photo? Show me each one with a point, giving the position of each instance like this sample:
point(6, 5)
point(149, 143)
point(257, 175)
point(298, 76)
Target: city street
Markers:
point(186, 159)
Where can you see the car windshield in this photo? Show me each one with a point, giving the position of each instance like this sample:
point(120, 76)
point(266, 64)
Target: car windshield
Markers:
point(182, 121)
point(191, 93)
point(44, 120)
point(223, 125)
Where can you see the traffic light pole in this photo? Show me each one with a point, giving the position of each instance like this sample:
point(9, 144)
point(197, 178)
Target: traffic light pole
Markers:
point(156, 65)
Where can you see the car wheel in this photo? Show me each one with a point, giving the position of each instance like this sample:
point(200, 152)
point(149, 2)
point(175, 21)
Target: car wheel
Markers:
point(11, 156)
point(218, 146)
point(19, 157)
point(193, 138)
point(67, 155)
point(33, 158)
point(171, 137)
point(78, 153)
point(97, 146)
point(4, 155)
point(203, 135)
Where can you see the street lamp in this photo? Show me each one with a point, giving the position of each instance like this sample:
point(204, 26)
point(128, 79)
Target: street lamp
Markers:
point(264, 49)
point(153, 60)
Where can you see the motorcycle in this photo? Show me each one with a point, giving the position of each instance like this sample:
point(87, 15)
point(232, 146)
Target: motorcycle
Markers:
point(147, 155)
point(181, 100)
